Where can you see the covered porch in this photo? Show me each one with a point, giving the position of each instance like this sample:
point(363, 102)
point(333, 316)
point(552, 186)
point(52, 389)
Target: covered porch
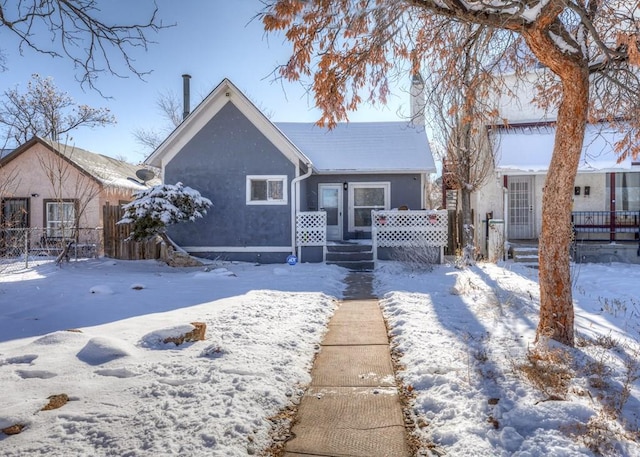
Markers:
point(612, 226)
point(390, 230)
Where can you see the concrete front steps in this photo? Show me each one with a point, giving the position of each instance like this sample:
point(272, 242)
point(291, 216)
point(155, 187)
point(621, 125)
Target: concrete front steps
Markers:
point(354, 256)
point(525, 253)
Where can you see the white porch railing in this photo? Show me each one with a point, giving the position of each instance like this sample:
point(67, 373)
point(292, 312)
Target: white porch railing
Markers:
point(409, 229)
point(311, 230)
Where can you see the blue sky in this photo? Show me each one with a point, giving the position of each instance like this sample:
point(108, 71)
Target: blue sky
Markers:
point(212, 39)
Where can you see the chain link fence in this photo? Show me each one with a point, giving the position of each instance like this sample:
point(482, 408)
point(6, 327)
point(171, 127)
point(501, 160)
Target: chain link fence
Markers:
point(24, 248)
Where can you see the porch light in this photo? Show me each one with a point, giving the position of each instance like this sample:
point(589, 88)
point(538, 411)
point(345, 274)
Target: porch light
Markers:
point(345, 186)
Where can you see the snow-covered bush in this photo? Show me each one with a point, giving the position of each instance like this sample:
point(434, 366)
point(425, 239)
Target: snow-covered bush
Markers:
point(159, 206)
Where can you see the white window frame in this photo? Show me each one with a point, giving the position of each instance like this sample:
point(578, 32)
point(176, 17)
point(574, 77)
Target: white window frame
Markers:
point(60, 228)
point(367, 185)
point(268, 201)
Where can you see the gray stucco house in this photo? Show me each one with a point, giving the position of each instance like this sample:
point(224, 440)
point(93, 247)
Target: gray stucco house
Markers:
point(260, 175)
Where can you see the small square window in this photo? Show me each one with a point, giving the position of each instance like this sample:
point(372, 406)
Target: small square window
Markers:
point(266, 190)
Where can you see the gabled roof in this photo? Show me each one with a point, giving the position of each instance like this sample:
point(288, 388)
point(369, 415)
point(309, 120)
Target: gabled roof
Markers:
point(225, 92)
point(528, 148)
point(107, 171)
point(363, 147)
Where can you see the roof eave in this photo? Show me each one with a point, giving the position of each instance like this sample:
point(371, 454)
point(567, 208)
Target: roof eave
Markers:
point(361, 171)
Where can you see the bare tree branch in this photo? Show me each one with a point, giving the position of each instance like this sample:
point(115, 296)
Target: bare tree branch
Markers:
point(74, 29)
point(169, 106)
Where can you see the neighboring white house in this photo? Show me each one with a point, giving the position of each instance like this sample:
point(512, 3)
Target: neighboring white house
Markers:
point(606, 193)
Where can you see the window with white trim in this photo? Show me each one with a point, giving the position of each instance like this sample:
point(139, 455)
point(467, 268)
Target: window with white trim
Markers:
point(60, 218)
point(364, 197)
point(266, 190)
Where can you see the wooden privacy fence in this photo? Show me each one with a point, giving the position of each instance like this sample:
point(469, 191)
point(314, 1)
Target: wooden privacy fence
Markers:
point(116, 245)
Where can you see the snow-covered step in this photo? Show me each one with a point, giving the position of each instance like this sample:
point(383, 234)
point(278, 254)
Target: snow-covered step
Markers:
point(525, 254)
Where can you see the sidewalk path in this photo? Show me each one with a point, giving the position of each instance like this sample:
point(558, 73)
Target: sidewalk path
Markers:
point(352, 408)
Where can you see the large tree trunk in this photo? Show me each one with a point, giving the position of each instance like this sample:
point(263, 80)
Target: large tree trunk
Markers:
point(556, 303)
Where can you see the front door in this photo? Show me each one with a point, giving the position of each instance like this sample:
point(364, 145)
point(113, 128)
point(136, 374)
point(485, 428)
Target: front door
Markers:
point(521, 215)
point(330, 200)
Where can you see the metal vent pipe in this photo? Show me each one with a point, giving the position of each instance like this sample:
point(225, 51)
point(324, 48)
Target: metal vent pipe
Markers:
point(186, 96)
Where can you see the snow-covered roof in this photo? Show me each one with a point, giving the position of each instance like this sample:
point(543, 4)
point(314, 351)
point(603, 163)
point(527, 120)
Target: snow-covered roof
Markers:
point(106, 170)
point(362, 147)
point(529, 148)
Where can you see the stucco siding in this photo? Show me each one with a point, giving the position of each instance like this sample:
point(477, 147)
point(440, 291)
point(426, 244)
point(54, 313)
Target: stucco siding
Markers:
point(597, 200)
point(216, 162)
point(26, 176)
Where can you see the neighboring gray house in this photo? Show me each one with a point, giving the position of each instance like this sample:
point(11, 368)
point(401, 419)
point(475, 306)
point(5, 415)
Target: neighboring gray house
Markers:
point(260, 174)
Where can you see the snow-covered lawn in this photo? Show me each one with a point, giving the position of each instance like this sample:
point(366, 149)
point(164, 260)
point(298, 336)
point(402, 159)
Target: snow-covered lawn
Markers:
point(463, 337)
point(129, 393)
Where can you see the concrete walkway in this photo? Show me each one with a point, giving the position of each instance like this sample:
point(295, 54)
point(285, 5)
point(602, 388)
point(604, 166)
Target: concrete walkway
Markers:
point(351, 408)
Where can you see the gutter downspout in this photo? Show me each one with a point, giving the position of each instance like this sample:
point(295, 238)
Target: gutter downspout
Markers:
point(295, 204)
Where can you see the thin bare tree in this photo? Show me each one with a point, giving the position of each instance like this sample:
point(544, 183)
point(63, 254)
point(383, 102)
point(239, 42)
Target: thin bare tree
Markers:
point(350, 48)
point(433, 192)
point(170, 107)
point(71, 186)
point(458, 110)
point(43, 110)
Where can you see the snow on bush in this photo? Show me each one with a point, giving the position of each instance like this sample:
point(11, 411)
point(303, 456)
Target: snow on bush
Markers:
point(157, 207)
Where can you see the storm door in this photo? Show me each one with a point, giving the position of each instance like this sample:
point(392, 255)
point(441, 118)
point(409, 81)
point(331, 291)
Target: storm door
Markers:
point(330, 200)
point(521, 215)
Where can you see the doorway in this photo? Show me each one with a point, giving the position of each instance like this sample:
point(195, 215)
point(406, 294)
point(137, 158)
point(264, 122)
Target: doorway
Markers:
point(330, 201)
point(521, 215)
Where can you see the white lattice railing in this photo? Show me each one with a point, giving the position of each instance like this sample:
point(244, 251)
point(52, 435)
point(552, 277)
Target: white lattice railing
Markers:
point(311, 228)
point(409, 229)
